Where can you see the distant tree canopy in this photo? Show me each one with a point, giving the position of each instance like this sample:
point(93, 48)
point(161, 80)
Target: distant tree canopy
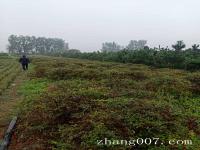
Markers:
point(133, 45)
point(136, 45)
point(179, 46)
point(195, 48)
point(35, 45)
point(110, 47)
point(188, 59)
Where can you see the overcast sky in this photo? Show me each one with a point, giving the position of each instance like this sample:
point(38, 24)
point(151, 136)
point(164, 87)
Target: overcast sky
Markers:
point(85, 24)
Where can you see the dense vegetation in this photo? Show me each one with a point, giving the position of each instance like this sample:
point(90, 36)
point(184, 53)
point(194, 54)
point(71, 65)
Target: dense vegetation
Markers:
point(135, 52)
point(188, 59)
point(71, 103)
point(8, 71)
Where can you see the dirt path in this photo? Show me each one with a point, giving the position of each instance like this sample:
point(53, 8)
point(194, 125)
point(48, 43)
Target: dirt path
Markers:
point(8, 102)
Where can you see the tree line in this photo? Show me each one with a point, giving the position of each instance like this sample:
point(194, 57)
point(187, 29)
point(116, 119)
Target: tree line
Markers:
point(176, 57)
point(35, 45)
point(141, 44)
point(133, 45)
point(134, 52)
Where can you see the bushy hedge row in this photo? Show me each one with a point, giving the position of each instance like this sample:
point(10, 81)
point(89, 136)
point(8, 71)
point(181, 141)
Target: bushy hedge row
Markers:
point(189, 59)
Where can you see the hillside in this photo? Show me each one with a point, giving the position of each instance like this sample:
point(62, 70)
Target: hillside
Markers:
point(73, 104)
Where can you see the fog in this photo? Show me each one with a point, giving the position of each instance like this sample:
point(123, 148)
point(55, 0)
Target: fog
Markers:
point(86, 24)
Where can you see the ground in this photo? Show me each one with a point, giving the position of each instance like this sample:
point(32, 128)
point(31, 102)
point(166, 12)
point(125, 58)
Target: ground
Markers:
point(69, 104)
point(9, 98)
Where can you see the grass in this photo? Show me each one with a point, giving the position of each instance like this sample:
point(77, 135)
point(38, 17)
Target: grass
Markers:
point(9, 81)
point(71, 103)
point(8, 71)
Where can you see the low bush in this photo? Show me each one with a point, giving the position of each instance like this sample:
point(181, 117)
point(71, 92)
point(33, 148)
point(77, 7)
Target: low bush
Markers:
point(81, 102)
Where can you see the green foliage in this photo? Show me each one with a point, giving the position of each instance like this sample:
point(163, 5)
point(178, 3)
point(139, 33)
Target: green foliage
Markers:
point(179, 45)
point(193, 64)
point(3, 55)
point(33, 87)
point(194, 78)
point(164, 58)
point(79, 102)
point(195, 47)
point(8, 71)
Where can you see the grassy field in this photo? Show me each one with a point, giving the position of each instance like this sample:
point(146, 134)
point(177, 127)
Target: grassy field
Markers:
point(9, 71)
point(72, 104)
point(9, 68)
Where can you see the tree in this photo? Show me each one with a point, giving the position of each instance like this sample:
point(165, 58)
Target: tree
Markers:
point(40, 45)
point(110, 46)
point(58, 45)
point(136, 45)
point(146, 47)
point(66, 46)
point(179, 46)
point(31, 44)
point(13, 45)
point(132, 45)
point(195, 47)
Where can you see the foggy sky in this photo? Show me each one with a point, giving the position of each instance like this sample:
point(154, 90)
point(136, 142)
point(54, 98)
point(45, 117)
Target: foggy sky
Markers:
point(85, 24)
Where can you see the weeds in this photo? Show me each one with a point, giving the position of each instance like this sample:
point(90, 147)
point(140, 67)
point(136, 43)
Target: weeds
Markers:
point(85, 101)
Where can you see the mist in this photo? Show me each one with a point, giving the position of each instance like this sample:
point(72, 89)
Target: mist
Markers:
point(85, 25)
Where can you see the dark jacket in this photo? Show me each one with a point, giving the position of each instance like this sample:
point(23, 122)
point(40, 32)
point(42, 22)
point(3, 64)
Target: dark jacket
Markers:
point(24, 60)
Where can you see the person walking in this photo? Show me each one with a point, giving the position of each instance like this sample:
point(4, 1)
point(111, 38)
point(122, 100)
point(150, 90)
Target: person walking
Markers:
point(24, 62)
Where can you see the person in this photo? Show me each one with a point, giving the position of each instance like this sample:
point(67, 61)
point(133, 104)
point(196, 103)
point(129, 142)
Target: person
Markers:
point(24, 61)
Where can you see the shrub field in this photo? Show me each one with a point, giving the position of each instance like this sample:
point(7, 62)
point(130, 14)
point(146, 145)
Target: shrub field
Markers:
point(72, 104)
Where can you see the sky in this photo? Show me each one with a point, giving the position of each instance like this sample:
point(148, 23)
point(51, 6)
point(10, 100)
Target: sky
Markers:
point(86, 24)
